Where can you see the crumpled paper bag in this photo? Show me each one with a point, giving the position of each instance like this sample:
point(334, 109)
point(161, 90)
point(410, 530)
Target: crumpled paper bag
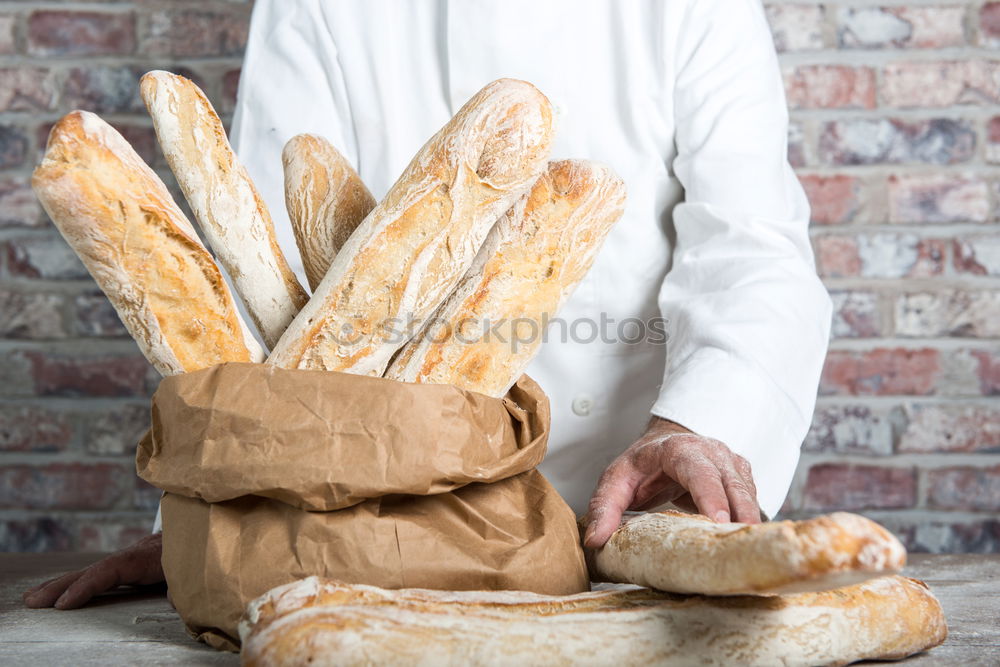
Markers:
point(273, 475)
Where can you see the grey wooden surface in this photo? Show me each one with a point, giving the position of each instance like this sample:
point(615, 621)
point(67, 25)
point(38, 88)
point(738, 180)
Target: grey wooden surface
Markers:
point(134, 628)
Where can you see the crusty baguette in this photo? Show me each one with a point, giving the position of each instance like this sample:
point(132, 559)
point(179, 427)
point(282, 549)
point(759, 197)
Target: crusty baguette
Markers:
point(688, 553)
point(325, 198)
point(143, 252)
point(490, 328)
point(323, 623)
point(418, 242)
point(225, 202)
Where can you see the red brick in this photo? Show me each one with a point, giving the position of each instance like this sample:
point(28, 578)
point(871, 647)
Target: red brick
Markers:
point(918, 27)
point(881, 372)
point(942, 197)
point(13, 146)
point(230, 89)
point(117, 431)
point(27, 428)
point(36, 534)
point(849, 429)
point(18, 204)
point(68, 33)
point(846, 486)
point(33, 315)
point(837, 256)
point(26, 89)
point(992, 150)
point(967, 313)
point(8, 39)
point(197, 33)
point(964, 488)
point(855, 314)
point(796, 145)
point(104, 89)
point(79, 486)
point(987, 371)
point(894, 141)
point(944, 535)
point(112, 535)
point(833, 199)
point(796, 27)
point(94, 316)
point(989, 23)
point(915, 84)
point(830, 87)
point(978, 254)
point(63, 374)
point(879, 255)
point(48, 257)
point(951, 428)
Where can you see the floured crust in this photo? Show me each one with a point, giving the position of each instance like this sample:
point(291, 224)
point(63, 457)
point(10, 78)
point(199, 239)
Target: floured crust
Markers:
point(325, 623)
point(325, 198)
point(417, 243)
point(688, 553)
point(144, 254)
point(224, 200)
point(490, 328)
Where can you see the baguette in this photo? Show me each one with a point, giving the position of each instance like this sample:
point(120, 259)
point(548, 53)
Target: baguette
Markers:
point(224, 200)
point(490, 328)
point(324, 623)
point(418, 242)
point(119, 217)
point(325, 198)
point(689, 553)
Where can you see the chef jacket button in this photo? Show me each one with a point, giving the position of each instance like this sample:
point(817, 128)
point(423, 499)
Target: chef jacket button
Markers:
point(582, 405)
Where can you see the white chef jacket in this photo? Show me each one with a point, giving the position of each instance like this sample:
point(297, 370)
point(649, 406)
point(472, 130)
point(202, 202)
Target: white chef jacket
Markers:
point(684, 100)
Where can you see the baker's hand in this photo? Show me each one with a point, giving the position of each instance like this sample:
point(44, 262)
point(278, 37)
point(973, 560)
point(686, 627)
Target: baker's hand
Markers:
point(137, 565)
point(671, 464)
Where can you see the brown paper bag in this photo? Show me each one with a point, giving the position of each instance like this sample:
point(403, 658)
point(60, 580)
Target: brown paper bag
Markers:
point(274, 475)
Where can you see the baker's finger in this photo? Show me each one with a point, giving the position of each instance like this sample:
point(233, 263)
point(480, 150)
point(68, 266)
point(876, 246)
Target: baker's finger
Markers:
point(703, 480)
point(46, 594)
point(38, 587)
point(613, 495)
point(98, 578)
point(741, 499)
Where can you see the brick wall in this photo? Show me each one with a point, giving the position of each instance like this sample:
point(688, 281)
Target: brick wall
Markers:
point(74, 390)
point(896, 136)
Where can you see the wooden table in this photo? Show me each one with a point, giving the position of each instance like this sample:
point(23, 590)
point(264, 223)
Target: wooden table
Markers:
point(141, 628)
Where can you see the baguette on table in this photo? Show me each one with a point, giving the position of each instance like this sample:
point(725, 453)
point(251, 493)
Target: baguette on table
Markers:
point(689, 553)
point(318, 623)
point(417, 243)
point(325, 198)
point(224, 200)
point(120, 219)
point(488, 330)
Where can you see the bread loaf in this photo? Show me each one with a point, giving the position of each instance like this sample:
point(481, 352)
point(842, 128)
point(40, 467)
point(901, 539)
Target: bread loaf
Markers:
point(144, 254)
point(689, 553)
point(490, 327)
point(325, 198)
point(224, 201)
point(324, 623)
point(417, 243)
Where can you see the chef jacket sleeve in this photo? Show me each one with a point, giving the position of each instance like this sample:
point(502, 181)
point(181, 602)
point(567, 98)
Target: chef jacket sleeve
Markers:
point(747, 318)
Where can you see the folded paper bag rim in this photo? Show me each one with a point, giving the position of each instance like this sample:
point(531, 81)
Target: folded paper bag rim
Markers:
point(324, 440)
